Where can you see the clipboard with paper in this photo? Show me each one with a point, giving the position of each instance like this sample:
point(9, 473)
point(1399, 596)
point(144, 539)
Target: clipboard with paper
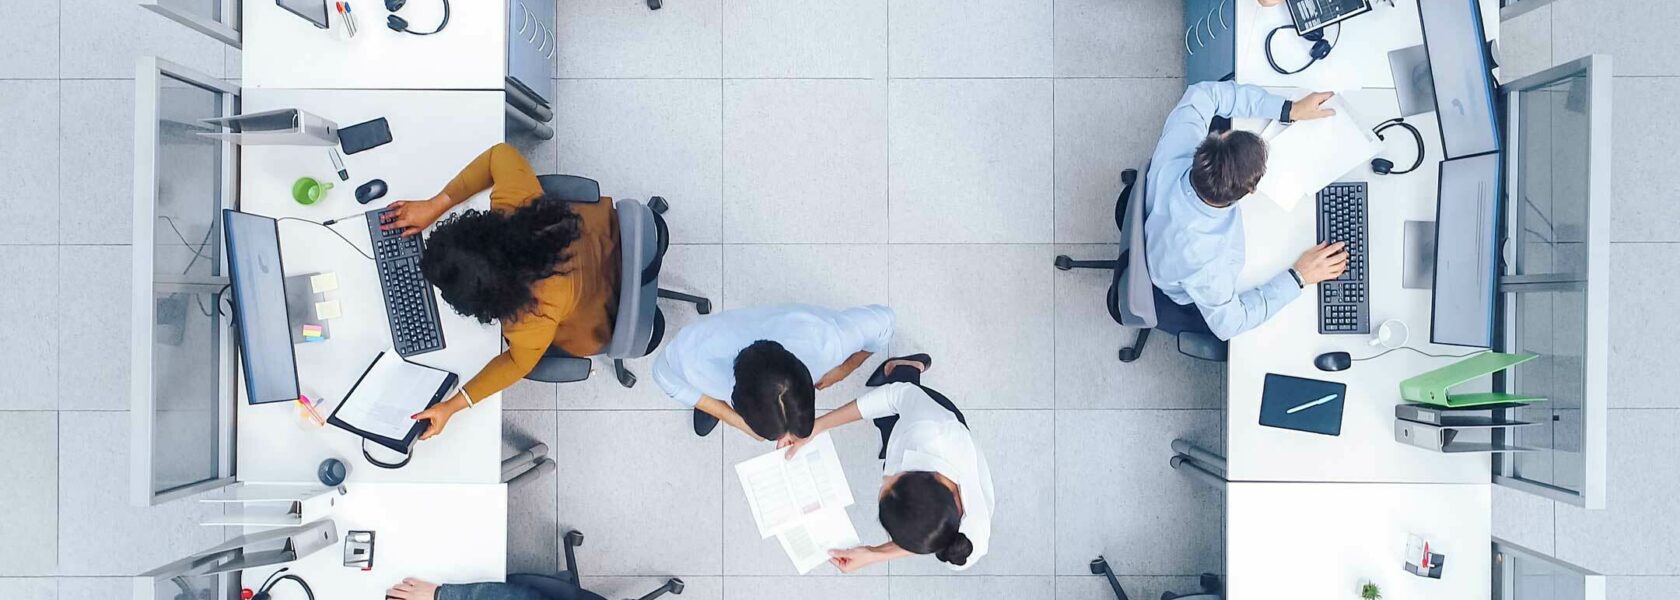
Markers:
point(378, 406)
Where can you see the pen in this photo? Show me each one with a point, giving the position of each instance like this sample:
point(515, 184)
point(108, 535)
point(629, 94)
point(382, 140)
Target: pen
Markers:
point(349, 16)
point(310, 406)
point(338, 163)
point(1310, 404)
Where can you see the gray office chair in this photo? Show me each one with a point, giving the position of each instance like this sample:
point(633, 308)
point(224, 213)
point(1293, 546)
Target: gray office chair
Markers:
point(1132, 297)
point(567, 586)
point(1212, 588)
point(638, 326)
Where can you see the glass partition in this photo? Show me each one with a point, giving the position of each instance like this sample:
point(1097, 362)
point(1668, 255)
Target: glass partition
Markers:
point(1555, 289)
point(182, 400)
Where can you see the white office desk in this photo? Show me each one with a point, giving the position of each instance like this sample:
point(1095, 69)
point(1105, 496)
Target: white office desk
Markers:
point(434, 134)
point(442, 533)
point(1360, 59)
point(284, 51)
point(1287, 343)
point(1307, 540)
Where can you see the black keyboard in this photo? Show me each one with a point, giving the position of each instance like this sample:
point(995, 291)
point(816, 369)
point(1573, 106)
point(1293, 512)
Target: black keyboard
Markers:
point(410, 305)
point(1344, 304)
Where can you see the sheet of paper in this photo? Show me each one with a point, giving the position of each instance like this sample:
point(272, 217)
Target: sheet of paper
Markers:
point(392, 390)
point(807, 544)
point(782, 492)
point(1308, 155)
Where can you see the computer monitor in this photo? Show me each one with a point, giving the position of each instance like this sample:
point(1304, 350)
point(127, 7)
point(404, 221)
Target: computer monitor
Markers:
point(259, 307)
point(1462, 71)
point(314, 11)
point(1466, 251)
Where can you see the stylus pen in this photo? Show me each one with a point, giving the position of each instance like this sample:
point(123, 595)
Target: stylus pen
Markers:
point(338, 163)
point(1310, 404)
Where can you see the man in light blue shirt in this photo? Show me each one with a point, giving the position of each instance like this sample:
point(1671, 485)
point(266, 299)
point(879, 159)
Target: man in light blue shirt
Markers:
point(1193, 233)
point(753, 367)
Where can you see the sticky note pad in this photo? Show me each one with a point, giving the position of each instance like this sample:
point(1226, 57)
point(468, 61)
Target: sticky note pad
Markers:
point(328, 310)
point(323, 283)
point(314, 330)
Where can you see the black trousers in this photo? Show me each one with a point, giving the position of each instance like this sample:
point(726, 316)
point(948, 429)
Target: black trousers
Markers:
point(912, 376)
point(1174, 318)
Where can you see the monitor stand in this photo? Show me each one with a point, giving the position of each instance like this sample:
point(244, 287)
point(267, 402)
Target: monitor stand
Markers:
point(1418, 270)
point(1414, 85)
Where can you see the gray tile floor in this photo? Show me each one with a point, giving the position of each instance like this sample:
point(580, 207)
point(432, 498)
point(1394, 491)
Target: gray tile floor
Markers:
point(933, 156)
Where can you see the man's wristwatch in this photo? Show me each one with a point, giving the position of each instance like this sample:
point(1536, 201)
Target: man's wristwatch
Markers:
point(1287, 106)
point(1298, 281)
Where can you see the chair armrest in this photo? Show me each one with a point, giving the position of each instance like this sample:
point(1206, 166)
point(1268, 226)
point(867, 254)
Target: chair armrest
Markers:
point(560, 369)
point(1205, 346)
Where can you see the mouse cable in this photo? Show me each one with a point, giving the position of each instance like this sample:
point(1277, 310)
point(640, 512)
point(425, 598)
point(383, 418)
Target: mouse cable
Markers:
point(1385, 352)
point(327, 227)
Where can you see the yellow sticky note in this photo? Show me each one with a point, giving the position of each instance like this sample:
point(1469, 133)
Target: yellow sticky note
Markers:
point(323, 283)
point(328, 310)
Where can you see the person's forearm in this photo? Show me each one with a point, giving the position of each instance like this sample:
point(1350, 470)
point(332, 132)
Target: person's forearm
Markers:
point(724, 412)
point(837, 417)
point(888, 551)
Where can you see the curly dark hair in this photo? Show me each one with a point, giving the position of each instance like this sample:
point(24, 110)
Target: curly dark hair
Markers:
point(485, 262)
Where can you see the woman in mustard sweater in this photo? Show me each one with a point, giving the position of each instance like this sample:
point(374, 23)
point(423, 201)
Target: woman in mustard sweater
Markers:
point(545, 268)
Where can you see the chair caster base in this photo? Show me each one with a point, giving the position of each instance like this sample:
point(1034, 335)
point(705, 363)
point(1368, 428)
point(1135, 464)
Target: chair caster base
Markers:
point(574, 538)
point(703, 307)
point(1064, 262)
point(1129, 354)
point(1099, 566)
point(654, 4)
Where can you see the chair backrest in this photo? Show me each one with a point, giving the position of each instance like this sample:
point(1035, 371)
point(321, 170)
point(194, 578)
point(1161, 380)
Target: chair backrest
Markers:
point(642, 239)
point(1136, 292)
point(570, 188)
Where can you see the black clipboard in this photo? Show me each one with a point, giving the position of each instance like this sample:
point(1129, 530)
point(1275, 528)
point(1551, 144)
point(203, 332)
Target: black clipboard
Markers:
point(1317, 404)
point(394, 444)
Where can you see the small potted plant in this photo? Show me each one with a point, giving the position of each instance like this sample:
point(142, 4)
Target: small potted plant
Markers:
point(1370, 591)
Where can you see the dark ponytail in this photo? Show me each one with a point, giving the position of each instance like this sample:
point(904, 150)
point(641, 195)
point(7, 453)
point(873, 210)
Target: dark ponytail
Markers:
point(920, 515)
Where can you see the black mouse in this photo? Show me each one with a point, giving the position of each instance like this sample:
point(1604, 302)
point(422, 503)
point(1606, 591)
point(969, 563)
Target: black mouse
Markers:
point(1333, 361)
point(370, 191)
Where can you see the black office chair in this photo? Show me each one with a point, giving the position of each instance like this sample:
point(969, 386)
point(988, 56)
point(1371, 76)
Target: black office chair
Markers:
point(567, 586)
point(638, 326)
point(1132, 297)
point(1212, 588)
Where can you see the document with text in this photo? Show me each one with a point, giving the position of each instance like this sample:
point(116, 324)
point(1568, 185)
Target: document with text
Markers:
point(808, 543)
point(783, 492)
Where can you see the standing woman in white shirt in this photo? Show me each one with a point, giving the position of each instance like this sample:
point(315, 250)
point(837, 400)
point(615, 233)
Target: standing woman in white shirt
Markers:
point(936, 492)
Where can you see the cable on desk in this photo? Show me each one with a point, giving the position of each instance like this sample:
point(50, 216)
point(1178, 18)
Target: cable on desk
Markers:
point(347, 241)
point(1381, 354)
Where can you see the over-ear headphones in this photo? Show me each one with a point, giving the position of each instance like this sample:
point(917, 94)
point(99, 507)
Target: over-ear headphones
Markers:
point(1383, 166)
point(400, 24)
point(262, 592)
point(1320, 47)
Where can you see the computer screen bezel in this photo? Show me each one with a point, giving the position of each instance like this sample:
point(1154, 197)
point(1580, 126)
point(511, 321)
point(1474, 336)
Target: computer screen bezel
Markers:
point(239, 315)
point(1487, 80)
point(1497, 226)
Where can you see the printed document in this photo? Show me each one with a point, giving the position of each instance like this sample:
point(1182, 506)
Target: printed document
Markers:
point(808, 542)
point(782, 492)
point(1308, 155)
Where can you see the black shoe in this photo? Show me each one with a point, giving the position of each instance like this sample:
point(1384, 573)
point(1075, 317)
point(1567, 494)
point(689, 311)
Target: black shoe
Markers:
point(879, 377)
point(1211, 584)
point(704, 423)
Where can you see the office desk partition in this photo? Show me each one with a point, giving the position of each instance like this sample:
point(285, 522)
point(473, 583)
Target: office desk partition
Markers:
point(1365, 451)
point(434, 133)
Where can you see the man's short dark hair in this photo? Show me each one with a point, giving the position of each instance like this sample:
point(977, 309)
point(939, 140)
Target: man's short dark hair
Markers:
point(773, 391)
point(1228, 166)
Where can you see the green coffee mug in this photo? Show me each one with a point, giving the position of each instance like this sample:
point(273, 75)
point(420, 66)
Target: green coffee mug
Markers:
point(306, 190)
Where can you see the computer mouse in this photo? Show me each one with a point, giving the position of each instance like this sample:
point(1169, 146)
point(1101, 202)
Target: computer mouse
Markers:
point(370, 191)
point(1333, 361)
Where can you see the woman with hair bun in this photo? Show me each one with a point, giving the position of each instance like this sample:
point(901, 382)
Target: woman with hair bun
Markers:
point(936, 494)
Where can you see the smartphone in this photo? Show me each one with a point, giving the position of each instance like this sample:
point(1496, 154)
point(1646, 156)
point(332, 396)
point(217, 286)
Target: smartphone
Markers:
point(362, 136)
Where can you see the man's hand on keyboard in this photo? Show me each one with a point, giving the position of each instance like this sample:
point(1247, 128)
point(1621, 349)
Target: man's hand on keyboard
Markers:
point(1323, 262)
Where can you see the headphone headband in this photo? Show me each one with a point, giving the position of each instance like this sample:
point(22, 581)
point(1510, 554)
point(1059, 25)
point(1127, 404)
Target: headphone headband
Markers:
point(1383, 166)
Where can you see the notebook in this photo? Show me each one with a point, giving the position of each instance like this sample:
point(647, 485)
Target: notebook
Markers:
point(391, 390)
point(1302, 404)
